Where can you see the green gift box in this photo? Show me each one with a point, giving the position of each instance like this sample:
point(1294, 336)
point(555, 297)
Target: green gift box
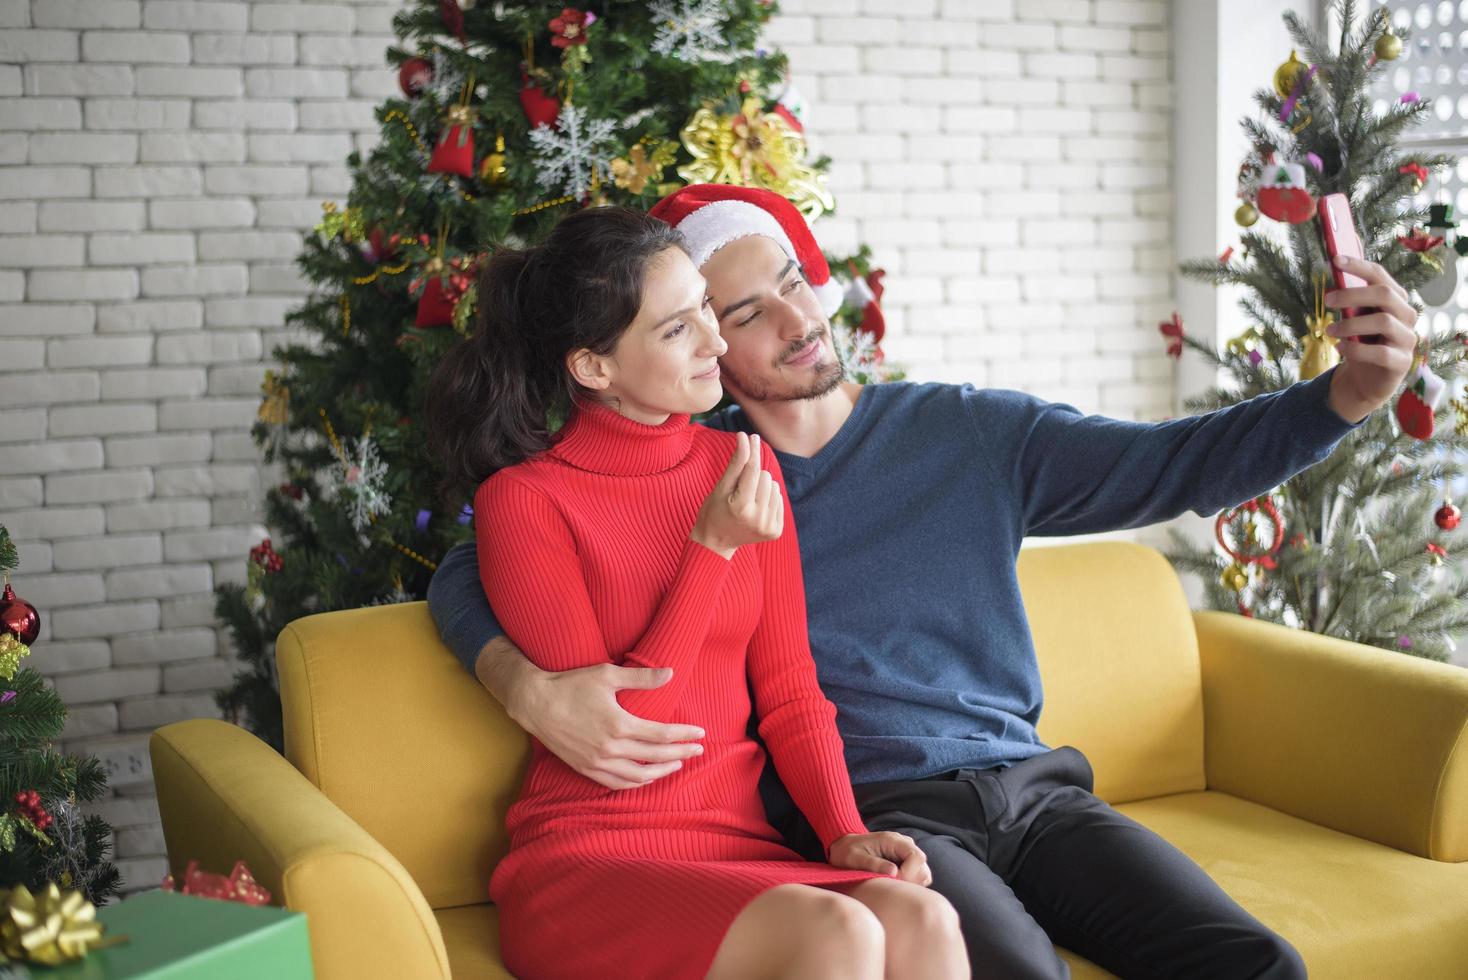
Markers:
point(187, 937)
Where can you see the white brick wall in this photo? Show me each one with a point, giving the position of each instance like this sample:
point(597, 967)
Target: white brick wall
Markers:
point(159, 160)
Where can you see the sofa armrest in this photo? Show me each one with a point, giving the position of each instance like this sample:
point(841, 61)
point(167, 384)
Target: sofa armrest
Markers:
point(226, 795)
point(1354, 738)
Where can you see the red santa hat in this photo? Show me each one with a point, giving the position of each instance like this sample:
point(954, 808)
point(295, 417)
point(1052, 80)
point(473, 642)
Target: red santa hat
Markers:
point(711, 216)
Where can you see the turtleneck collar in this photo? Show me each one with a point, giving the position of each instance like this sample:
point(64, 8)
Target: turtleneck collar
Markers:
point(598, 439)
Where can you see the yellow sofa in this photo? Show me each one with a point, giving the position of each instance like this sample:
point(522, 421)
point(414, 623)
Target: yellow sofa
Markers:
point(1323, 784)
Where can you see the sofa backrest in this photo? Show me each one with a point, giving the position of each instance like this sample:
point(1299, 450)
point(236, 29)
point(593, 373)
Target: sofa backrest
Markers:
point(1119, 664)
point(382, 718)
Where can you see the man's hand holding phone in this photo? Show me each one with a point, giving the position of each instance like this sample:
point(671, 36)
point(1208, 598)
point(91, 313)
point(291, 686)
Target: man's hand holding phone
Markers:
point(1370, 373)
point(1378, 322)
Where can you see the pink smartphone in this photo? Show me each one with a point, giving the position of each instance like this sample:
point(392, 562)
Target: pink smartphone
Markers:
point(1338, 228)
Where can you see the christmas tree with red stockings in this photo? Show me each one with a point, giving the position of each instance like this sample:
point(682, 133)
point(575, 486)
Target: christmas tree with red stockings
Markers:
point(44, 837)
point(1363, 545)
point(512, 115)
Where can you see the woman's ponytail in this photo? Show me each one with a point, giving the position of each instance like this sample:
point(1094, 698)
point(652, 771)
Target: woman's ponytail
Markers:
point(491, 397)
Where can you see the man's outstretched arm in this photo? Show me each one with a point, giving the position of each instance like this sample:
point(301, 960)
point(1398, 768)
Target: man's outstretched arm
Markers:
point(574, 713)
point(1078, 474)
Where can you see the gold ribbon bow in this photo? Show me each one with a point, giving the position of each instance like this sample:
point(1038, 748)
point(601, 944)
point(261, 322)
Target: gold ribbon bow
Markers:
point(49, 928)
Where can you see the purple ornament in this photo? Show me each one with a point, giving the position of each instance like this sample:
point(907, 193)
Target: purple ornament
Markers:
point(590, 19)
point(466, 515)
point(1298, 90)
point(7, 697)
point(421, 521)
point(1255, 357)
point(1314, 160)
point(1405, 642)
point(1409, 97)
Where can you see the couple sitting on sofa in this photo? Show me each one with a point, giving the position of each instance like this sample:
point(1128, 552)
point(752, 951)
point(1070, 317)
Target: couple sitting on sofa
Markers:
point(646, 576)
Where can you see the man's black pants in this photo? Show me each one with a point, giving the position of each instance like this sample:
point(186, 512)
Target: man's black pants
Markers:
point(1029, 856)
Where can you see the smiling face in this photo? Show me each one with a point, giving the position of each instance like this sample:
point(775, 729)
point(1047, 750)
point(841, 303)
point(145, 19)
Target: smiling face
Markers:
point(666, 361)
point(779, 340)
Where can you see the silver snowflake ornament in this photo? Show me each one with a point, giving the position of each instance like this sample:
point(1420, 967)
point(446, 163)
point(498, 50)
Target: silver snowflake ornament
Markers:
point(358, 478)
point(571, 154)
point(857, 353)
point(688, 30)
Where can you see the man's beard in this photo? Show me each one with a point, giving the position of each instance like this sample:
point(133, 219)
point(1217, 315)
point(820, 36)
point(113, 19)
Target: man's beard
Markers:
point(827, 377)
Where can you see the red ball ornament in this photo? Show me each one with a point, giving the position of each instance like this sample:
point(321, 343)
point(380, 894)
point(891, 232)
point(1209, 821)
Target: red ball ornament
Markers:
point(414, 76)
point(1448, 516)
point(19, 617)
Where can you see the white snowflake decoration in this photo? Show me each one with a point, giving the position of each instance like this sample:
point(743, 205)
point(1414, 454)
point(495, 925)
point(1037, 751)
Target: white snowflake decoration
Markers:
point(858, 353)
point(397, 595)
point(690, 31)
point(68, 834)
point(359, 478)
point(572, 153)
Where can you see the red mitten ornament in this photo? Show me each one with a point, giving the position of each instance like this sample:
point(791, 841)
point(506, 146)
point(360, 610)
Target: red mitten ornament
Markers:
point(1416, 405)
point(541, 109)
point(1282, 194)
point(453, 18)
point(455, 151)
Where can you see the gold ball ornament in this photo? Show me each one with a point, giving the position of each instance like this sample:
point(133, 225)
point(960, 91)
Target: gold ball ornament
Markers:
point(1320, 352)
point(492, 170)
point(1234, 577)
point(1388, 46)
point(1286, 75)
point(1246, 214)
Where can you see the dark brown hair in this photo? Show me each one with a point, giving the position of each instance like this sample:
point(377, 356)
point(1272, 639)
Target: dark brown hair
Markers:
point(491, 397)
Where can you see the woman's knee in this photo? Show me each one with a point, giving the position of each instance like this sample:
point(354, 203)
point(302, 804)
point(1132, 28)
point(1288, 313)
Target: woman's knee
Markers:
point(846, 923)
point(916, 911)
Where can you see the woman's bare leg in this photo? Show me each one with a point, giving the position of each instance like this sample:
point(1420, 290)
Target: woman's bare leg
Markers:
point(923, 939)
point(801, 931)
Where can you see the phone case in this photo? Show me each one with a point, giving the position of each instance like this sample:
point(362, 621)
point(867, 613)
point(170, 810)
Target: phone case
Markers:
point(1338, 228)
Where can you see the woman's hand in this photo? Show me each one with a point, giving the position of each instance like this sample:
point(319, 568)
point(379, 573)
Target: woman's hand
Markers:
point(884, 852)
point(744, 507)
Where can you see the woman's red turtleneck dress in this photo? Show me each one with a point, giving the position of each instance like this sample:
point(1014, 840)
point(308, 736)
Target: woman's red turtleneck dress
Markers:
point(585, 556)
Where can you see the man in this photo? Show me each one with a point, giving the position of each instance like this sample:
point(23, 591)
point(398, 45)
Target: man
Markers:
point(911, 502)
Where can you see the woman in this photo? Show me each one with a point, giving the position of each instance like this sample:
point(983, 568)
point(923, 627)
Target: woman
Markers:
point(634, 537)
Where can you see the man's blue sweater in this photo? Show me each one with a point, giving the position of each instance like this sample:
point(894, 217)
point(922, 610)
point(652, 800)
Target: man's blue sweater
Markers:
point(910, 521)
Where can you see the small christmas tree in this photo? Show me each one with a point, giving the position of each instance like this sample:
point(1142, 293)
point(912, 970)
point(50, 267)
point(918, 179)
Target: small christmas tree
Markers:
point(511, 116)
point(43, 835)
point(1359, 545)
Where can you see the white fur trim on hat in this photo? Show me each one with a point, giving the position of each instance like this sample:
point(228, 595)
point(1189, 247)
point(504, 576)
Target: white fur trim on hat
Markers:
point(829, 294)
point(718, 223)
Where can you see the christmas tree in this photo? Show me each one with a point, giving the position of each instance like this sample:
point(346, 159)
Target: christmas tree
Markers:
point(512, 115)
point(1359, 545)
point(44, 837)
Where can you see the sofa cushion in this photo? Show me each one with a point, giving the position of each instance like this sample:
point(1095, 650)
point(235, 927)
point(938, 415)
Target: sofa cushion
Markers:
point(1119, 664)
point(471, 934)
point(1354, 909)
